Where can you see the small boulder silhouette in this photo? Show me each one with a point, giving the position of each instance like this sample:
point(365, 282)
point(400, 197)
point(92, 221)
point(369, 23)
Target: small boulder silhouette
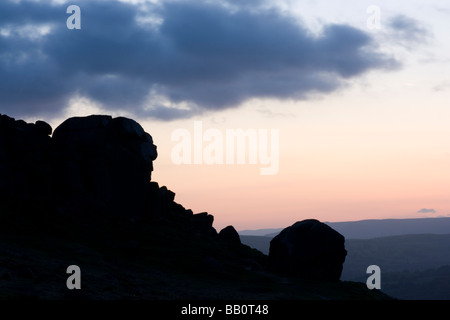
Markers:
point(230, 236)
point(308, 249)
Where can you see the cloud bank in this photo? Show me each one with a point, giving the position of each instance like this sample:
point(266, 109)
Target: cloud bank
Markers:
point(173, 59)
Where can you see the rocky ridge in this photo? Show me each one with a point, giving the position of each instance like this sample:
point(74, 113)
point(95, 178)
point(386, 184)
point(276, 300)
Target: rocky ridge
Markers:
point(95, 167)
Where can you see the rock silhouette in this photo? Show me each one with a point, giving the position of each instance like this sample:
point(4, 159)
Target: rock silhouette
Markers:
point(308, 249)
point(95, 167)
point(26, 171)
point(104, 160)
point(231, 236)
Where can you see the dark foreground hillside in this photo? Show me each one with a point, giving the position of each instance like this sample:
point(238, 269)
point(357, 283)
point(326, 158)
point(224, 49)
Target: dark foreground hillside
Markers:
point(151, 262)
point(83, 196)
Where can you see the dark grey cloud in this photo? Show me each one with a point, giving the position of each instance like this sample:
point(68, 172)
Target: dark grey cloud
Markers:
point(198, 55)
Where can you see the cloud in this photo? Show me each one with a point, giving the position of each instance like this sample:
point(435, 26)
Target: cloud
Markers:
point(172, 59)
point(426, 211)
point(408, 31)
point(443, 86)
point(271, 114)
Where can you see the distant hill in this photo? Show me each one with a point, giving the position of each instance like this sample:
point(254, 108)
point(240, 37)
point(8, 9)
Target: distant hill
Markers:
point(261, 243)
point(366, 229)
point(260, 232)
point(412, 266)
point(396, 254)
point(430, 284)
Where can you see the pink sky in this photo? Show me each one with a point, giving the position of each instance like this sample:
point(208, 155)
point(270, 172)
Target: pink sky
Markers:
point(331, 170)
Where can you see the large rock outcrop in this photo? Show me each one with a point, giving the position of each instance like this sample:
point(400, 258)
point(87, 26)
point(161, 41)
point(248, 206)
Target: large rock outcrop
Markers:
point(26, 170)
point(308, 249)
point(105, 160)
point(96, 167)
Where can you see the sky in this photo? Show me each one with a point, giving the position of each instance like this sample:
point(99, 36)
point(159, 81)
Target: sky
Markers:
point(344, 102)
